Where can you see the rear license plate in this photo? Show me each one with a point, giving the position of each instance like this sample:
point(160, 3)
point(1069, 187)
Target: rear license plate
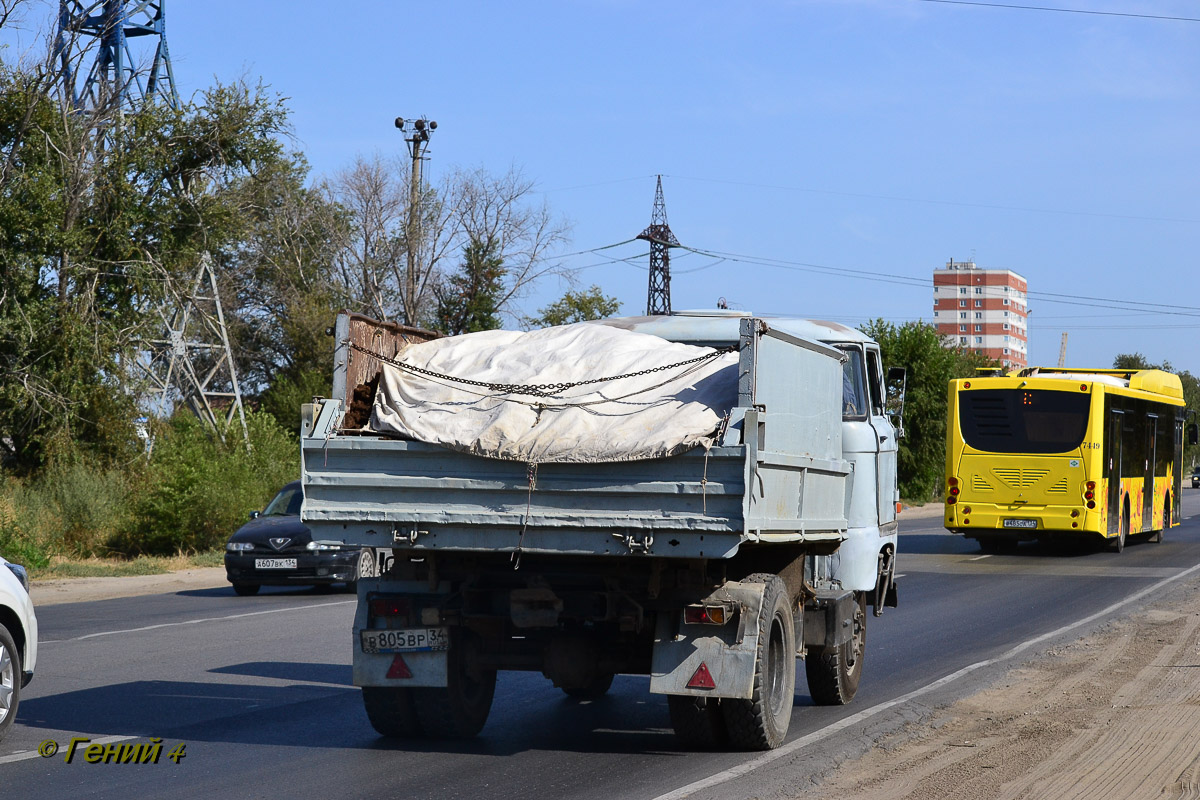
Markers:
point(405, 640)
point(1020, 523)
point(274, 563)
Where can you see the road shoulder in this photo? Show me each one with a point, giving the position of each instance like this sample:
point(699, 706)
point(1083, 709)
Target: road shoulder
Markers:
point(1115, 713)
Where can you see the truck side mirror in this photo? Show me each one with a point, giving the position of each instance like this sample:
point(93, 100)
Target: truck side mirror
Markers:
point(1193, 435)
point(897, 385)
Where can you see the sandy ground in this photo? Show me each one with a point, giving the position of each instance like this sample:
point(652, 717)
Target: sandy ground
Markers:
point(81, 590)
point(1115, 714)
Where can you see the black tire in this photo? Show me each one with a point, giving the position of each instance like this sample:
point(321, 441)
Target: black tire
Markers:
point(833, 673)
point(246, 589)
point(390, 710)
point(1117, 544)
point(761, 722)
point(699, 722)
point(597, 688)
point(1157, 536)
point(11, 675)
point(460, 710)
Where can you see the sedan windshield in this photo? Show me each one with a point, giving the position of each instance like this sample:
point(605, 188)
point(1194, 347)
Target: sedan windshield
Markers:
point(286, 503)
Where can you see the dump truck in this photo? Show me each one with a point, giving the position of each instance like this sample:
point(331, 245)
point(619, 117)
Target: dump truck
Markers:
point(702, 498)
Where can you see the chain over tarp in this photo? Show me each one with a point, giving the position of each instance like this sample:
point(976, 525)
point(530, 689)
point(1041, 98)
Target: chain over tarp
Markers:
point(575, 393)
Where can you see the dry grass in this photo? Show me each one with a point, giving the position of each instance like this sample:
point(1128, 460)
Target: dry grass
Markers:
point(94, 567)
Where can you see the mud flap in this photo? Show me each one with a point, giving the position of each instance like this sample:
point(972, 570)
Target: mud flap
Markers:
point(829, 619)
point(718, 660)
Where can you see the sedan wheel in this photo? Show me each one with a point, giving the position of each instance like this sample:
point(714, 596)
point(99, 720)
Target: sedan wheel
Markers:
point(10, 680)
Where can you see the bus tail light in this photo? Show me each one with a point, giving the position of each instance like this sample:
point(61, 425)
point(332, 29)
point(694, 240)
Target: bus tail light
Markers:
point(951, 491)
point(1089, 493)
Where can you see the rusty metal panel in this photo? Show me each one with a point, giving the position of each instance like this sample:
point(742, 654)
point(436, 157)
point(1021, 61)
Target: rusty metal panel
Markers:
point(356, 373)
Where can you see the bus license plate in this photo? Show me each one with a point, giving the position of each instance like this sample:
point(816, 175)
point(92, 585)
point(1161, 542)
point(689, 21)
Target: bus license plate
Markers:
point(1020, 523)
point(405, 640)
point(274, 563)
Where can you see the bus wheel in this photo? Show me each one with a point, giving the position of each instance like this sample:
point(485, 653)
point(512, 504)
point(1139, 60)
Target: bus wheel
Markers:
point(1157, 536)
point(1117, 545)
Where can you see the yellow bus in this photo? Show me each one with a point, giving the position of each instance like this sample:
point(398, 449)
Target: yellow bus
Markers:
point(1043, 453)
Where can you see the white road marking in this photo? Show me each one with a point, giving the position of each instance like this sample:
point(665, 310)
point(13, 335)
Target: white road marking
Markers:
point(799, 744)
point(35, 754)
point(980, 558)
point(196, 621)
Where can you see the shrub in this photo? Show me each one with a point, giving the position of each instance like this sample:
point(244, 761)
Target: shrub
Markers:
point(199, 490)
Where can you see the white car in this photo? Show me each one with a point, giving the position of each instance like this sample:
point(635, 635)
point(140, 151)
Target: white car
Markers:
point(18, 640)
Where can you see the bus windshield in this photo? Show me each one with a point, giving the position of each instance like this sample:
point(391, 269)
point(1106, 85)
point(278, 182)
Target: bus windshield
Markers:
point(1023, 420)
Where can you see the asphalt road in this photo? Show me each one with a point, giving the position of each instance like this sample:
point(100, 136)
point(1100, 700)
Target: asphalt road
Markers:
point(258, 690)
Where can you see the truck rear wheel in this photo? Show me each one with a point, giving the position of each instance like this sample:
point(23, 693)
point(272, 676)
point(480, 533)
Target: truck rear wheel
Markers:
point(761, 722)
point(459, 710)
point(698, 721)
point(390, 710)
point(833, 673)
point(597, 688)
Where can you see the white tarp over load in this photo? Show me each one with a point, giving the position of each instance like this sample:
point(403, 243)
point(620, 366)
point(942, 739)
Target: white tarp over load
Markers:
point(629, 395)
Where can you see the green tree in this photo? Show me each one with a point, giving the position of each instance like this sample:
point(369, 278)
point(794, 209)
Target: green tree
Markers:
point(90, 237)
point(575, 307)
point(469, 300)
point(930, 364)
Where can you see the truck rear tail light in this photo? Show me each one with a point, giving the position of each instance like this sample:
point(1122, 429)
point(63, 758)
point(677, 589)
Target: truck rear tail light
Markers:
point(706, 615)
point(390, 607)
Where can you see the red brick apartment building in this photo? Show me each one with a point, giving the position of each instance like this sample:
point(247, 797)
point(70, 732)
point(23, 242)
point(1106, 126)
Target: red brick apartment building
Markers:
point(984, 310)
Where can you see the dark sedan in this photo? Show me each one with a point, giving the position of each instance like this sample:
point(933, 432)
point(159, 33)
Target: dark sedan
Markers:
point(276, 549)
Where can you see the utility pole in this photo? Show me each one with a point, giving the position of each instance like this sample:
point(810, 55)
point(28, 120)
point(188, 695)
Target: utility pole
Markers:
point(1062, 351)
point(658, 234)
point(418, 143)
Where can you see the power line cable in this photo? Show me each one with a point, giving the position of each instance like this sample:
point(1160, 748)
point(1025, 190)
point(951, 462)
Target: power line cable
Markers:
point(1064, 10)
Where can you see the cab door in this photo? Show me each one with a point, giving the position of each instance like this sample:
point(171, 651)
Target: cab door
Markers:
point(885, 435)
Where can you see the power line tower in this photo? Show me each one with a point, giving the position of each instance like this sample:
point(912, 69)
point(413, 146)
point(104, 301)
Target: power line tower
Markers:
point(658, 234)
point(115, 79)
point(192, 361)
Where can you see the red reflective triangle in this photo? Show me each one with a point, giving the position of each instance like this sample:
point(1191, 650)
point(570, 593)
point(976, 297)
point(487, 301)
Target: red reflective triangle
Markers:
point(399, 669)
point(702, 678)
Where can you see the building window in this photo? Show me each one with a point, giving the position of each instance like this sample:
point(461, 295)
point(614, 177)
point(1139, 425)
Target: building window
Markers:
point(979, 304)
point(935, 290)
point(962, 290)
point(962, 315)
point(1005, 324)
point(962, 340)
point(962, 303)
point(978, 315)
point(978, 328)
point(1006, 313)
point(935, 313)
point(1006, 301)
point(1006, 353)
point(978, 290)
point(978, 340)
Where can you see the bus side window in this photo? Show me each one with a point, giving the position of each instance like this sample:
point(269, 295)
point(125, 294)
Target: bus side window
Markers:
point(875, 381)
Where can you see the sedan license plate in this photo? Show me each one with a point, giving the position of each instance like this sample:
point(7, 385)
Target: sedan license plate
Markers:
point(405, 640)
point(1020, 523)
point(274, 563)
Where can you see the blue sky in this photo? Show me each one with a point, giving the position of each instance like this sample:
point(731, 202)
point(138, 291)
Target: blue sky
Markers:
point(841, 150)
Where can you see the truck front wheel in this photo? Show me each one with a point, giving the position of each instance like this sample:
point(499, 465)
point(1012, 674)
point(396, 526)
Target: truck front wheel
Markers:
point(761, 722)
point(833, 672)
